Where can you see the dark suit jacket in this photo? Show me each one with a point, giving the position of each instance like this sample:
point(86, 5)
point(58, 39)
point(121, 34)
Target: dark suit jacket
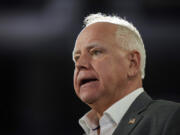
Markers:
point(150, 117)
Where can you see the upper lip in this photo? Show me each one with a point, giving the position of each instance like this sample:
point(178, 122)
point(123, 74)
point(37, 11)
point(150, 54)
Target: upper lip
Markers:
point(82, 79)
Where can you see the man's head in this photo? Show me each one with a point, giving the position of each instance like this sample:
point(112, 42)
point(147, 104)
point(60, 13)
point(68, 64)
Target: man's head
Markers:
point(109, 60)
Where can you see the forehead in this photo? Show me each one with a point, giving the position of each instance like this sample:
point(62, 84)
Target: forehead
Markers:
point(97, 32)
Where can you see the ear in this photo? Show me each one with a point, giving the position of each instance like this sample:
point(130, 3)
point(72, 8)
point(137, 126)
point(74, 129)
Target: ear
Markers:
point(134, 63)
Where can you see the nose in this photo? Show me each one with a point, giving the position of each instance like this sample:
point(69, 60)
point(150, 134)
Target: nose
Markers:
point(83, 62)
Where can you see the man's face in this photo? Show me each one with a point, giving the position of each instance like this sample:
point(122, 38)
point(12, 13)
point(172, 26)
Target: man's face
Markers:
point(100, 64)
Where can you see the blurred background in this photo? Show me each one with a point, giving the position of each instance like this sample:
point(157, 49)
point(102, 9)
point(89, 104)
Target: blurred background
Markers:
point(36, 68)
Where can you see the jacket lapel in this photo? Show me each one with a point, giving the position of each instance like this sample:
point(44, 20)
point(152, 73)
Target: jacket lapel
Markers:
point(134, 115)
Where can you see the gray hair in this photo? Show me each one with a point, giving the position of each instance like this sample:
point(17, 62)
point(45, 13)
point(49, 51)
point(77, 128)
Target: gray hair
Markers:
point(134, 41)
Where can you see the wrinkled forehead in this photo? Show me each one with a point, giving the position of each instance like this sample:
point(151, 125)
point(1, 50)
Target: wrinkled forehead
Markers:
point(94, 31)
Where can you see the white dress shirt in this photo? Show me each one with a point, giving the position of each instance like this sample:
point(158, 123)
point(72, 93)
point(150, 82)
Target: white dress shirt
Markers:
point(111, 117)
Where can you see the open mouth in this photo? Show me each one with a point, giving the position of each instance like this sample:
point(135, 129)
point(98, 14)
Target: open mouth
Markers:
point(89, 80)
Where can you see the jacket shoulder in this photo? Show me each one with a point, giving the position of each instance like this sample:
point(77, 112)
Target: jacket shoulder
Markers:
point(162, 109)
point(165, 104)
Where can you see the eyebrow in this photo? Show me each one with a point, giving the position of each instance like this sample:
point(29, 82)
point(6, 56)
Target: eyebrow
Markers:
point(90, 46)
point(76, 52)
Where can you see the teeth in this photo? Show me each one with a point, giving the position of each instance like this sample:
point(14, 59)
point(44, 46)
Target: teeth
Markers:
point(87, 80)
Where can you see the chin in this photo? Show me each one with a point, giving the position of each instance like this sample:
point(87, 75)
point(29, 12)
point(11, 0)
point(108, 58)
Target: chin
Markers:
point(88, 99)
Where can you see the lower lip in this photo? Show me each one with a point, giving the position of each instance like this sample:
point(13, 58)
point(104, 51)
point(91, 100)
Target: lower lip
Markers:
point(90, 84)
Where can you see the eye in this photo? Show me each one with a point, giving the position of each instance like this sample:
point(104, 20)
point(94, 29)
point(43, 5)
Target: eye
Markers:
point(76, 58)
point(96, 52)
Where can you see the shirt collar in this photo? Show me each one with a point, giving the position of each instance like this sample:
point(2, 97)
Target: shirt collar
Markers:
point(90, 120)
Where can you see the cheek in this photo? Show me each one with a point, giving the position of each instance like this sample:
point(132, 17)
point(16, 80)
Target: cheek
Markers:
point(105, 71)
point(75, 80)
point(111, 71)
